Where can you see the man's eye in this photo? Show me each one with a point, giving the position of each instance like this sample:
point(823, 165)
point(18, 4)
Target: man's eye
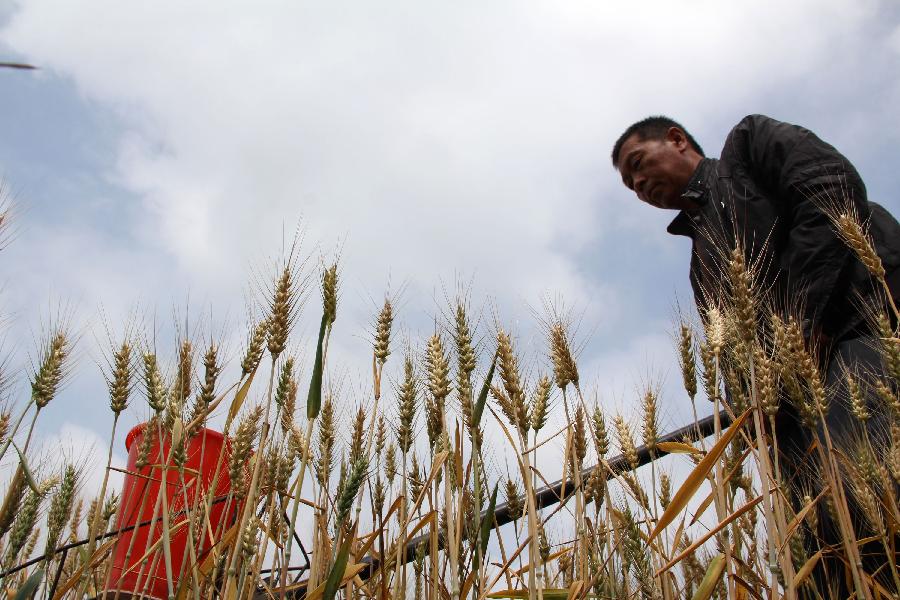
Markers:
point(636, 163)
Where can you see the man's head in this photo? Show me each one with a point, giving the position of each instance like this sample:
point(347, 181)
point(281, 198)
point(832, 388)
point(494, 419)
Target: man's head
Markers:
point(656, 158)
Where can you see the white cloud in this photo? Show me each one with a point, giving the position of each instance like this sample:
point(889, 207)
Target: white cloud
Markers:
point(894, 40)
point(437, 138)
point(84, 448)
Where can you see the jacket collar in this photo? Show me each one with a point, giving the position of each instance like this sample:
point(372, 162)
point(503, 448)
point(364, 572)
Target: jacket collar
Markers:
point(696, 190)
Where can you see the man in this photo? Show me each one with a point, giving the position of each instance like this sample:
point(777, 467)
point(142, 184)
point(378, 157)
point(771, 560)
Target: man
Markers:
point(767, 189)
point(769, 194)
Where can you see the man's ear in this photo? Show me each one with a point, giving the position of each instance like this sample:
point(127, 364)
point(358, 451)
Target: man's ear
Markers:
point(677, 137)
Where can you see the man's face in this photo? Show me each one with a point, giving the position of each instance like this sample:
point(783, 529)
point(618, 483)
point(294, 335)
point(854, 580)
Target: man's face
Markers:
point(659, 170)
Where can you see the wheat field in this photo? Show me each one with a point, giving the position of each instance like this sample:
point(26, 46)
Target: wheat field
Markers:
point(310, 492)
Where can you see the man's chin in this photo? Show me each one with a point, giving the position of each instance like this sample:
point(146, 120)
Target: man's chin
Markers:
point(658, 198)
point(661, 201)
point(665, 203)
point(670, 205)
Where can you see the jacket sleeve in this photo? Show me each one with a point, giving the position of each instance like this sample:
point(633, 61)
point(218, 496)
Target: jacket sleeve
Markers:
point(801, 174)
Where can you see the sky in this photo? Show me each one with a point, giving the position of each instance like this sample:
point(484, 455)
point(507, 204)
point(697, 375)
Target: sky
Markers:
point(164, 154)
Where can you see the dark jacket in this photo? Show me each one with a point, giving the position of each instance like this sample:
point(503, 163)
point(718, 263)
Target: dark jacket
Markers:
point(767, 190)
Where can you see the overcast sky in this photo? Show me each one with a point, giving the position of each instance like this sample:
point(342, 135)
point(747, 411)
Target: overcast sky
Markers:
point(165, 152)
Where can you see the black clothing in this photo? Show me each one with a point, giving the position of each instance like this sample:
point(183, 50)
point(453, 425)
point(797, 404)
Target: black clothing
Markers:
point(861, 356)
point(767, 190)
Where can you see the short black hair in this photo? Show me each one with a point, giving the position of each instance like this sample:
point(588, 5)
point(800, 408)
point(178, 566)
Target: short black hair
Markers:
point(652, 128)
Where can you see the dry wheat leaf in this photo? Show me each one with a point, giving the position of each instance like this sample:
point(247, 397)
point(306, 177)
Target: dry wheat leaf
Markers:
point(241, 395)
point(553, 556)
point(698, 475)
point(806, 570)
point(207, 564)
point(349, 573)
point(722, 524)
point(678, 448)
point(795, 522)
point(576, 589)
point(76, 576)
point(744, 585)
point(548, 593)
point(155, 546)
point(704, 506)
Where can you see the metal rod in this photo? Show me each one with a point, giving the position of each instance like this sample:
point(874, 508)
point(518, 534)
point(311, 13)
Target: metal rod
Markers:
point(71, 545)
point(551, 494)
point(59, 570)
point(544, 497)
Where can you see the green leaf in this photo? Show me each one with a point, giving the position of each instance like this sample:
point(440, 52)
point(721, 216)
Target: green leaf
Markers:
point(314, 399)
point(28, 476)
point(482, 396)
point(337, 570)
point(487, 523)
point(711, 579)
point(30, 586)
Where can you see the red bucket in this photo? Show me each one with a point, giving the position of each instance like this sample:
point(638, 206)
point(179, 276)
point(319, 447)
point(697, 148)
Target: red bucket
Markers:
point(139, 498)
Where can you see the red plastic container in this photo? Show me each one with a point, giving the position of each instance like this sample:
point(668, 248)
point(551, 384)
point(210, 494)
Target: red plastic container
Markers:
point(139, 497)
